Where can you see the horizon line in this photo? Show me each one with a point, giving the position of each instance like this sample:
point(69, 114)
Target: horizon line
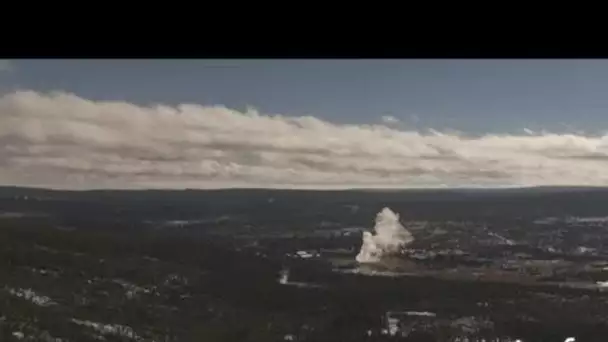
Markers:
point(319, 189)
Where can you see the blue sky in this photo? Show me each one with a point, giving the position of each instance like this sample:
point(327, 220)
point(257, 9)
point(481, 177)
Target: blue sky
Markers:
point(98, 123)
point(475, 96)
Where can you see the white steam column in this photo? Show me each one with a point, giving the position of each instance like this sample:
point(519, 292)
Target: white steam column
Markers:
point(388, 237)
point(284, 279)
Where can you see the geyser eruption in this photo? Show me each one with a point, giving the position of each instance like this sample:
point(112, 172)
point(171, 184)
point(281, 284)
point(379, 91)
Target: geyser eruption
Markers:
point(389, 237)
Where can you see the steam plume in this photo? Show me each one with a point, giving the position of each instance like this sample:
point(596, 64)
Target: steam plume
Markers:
point(389, 236)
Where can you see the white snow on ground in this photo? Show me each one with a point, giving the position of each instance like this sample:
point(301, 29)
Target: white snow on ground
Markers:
point(134, 290)
point(42, 271)
point(30, 295)
point(56, 251)
point(176, 279)
point(110, 329)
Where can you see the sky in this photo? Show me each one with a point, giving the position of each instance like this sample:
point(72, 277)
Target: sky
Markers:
point(80, 124)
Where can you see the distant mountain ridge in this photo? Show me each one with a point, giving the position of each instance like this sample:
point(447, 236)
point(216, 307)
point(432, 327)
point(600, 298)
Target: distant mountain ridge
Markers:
point(419, 193)
point(305, 208)
point(21, 189)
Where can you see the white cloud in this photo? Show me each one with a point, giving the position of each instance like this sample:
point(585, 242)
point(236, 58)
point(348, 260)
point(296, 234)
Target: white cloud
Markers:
point(61, 140)
point(6, 65)
point(528, 131)
point(388, 119)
